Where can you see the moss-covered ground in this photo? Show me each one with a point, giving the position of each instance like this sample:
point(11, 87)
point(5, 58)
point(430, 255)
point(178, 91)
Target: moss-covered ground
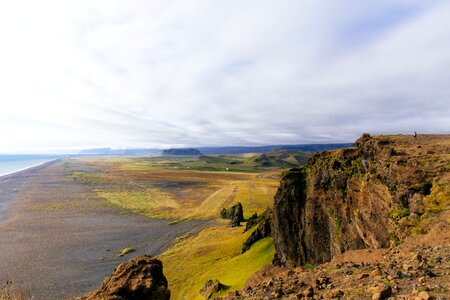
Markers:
point(213, 254)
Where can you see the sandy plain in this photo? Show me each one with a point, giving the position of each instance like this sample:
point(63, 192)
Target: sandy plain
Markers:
point(58, 239)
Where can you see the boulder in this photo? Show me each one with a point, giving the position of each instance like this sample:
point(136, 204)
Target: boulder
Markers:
point(139, 278)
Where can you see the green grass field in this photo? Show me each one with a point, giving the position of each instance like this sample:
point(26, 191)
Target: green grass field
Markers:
point(215, 253)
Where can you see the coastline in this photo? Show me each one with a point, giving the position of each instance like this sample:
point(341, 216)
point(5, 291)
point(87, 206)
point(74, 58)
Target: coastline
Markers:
point(11, 183)
point(59, 240)
point(29, 167)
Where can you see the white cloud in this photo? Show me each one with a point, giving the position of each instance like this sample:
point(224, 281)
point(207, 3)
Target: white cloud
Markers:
point(157, 73)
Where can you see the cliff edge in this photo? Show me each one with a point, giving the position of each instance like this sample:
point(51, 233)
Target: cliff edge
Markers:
point(369, 196)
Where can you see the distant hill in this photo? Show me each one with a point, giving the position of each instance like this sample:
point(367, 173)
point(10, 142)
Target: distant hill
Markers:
point(109, 151)
point(182, 151)
point(282, 158)
point(265, 149)
point(218, 150)
point(250, 162)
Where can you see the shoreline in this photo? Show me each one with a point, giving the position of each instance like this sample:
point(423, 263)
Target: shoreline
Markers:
point(11, 184)
point(29, 167)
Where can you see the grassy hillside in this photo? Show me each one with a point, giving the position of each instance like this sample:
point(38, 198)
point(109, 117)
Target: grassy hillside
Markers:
point(213, 254)
point(241, 163)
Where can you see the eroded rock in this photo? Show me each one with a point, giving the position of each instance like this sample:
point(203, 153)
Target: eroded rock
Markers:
point(234, 213)
point(139, 278)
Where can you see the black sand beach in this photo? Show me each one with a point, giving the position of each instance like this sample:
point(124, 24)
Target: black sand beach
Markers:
point(58, 240)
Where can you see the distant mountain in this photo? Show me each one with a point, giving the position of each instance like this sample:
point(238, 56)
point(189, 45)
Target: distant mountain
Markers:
point(109, 151)
point(265, 149)
point(217, 150)
point(182, 151)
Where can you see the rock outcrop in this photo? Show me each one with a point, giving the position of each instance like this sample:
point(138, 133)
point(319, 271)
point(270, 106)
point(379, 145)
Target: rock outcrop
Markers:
point(210, 287)
point(368, 196)
point(263, 229)
point(139, 278)
point(234, 213)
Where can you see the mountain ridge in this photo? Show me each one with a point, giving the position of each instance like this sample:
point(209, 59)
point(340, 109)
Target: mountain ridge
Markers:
point(219, 150)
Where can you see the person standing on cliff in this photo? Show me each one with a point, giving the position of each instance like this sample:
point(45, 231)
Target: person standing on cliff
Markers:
point(415, 134)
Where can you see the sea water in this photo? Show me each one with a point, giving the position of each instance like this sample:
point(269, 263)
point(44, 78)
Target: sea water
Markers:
point(14, 163)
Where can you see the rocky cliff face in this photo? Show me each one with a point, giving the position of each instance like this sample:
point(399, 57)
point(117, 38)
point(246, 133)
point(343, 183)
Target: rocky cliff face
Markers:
point(368, 196)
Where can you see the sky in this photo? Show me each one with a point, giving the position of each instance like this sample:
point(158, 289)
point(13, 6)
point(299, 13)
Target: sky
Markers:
point(174, 73)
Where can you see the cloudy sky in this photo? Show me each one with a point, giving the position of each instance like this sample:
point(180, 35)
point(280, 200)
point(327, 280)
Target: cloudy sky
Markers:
point(83, 74)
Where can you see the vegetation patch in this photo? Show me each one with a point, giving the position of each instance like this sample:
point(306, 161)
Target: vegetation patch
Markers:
point(309, 266)
point(149, 201)
point(213, 253)
point(440, 194)
point(125, 251)
point(399, 213)
point(395, 240)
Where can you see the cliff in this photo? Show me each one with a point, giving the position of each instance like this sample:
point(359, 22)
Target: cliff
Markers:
point(369, 196)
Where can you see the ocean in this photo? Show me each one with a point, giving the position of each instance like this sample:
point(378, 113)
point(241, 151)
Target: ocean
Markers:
point(13, 163)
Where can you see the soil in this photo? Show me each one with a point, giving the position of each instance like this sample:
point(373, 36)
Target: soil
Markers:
point(418, 269)
point(58, 240)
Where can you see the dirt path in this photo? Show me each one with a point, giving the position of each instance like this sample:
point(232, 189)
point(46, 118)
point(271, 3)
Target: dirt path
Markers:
point(59, 240)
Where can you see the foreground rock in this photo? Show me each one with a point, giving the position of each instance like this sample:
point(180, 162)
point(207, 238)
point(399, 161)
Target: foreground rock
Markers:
point(360, 274)
point(139, 278)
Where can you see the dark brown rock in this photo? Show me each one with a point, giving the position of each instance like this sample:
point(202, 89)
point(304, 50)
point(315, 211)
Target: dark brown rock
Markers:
point(139, 278)
point(252, 222)
point(288, 220)
point(263, 230)
point(234, 213)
